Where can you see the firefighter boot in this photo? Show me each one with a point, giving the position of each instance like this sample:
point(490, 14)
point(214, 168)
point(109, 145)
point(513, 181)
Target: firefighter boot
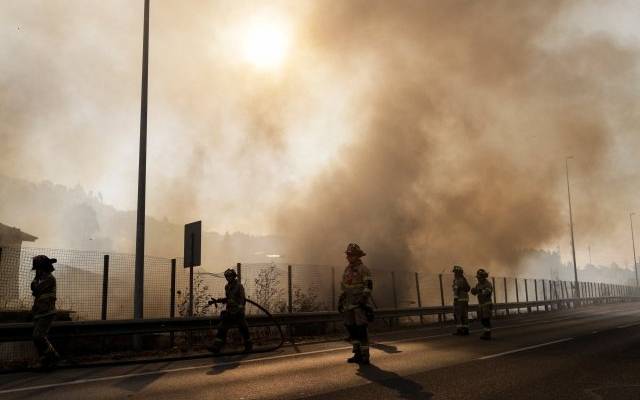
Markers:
point(248, 346)
point(364, 355)
point(357, 357)
point(486, 335)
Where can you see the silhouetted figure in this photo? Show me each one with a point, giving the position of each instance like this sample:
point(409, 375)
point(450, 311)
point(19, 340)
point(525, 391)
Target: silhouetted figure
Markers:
point(484, 291)
point(460, 301)
point(43, 288)
point(355, 303)
point(234, 313)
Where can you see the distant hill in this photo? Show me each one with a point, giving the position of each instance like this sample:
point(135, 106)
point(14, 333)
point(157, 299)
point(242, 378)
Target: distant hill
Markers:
point(70, 218)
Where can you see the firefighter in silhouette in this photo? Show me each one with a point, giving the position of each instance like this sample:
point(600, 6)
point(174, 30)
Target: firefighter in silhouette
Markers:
point(484, 291)
point(355, 303)
point(233, 315)
point(460, 301)
point(43, 289)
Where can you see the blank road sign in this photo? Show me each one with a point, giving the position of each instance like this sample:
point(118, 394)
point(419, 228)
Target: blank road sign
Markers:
point(192, 242)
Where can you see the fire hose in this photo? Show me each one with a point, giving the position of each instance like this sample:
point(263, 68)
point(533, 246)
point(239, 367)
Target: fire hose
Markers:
point(275, 321)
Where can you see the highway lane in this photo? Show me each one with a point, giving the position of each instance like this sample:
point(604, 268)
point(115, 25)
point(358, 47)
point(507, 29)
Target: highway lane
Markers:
point(415, 364)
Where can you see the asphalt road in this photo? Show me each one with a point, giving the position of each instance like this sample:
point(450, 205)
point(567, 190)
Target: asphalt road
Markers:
point(591, 353)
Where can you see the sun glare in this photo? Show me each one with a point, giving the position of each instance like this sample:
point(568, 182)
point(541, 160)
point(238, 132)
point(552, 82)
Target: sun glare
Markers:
point(266, 43)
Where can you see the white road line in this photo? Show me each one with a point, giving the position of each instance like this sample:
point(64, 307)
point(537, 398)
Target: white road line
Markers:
point(164, 371)
point(524, 349)
point(629, 325)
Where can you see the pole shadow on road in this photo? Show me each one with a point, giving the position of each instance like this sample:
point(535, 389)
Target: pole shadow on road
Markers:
point(386, 348)
point(229, 363)
point(406, 388)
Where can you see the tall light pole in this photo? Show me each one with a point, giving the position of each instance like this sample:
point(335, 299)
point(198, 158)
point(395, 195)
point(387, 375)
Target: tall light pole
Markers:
point(633, 243)
point(138, 291)
point(573, 245)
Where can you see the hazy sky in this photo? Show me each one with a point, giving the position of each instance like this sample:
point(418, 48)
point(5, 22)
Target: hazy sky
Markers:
point(257, 109)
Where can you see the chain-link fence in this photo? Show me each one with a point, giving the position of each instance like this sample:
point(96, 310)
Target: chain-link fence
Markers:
point(96, 285)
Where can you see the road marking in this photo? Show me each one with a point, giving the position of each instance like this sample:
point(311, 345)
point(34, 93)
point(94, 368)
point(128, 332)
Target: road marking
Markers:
point(282, 356)
point(629, 325)
point(525, 349)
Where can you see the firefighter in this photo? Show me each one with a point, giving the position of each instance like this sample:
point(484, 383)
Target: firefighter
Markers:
point(484, 291)
point(233, 315)
point(43, 289)
point(355, 303)
point(460, 301)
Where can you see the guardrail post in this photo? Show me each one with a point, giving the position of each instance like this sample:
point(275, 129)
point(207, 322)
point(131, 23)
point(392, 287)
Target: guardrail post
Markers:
point(333, 288)
point(172, 297)
point(419, 298)
point(506, 300)
point(535, 288)
point(526, 295)
point(517, 296)
point(443, 315)
point(395, 294)
point(105, 286)
point(495, 296)
point(289, 294)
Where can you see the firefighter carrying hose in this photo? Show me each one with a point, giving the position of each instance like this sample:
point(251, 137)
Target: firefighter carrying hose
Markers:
point(355, 303)
point(233, 315)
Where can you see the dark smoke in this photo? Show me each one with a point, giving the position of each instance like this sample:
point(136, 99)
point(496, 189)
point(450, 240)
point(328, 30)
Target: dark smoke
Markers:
point(465, 125)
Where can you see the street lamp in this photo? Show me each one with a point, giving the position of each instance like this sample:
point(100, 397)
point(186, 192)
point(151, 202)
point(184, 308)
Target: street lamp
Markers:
point(138, 291)
point(573, 245)
point(633, 243)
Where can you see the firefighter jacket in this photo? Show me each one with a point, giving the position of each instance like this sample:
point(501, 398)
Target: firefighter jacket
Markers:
point(356, 286)
point(484, 291)
point(43, 289)
point(460, 289)
point(235, 297)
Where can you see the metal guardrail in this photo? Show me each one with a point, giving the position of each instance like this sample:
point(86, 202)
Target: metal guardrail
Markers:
point(16, 332)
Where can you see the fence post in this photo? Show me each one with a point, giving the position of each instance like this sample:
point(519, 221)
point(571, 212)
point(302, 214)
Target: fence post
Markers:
point(495, 301)
point(526, 295)
point(289, 294)
point(419, 299)
point(442, 316)
point(172, 297)
point(517, 296)
point(535, 288)
point(544, 295)
point(105, 286)
point(190, 310)
point(506, 299)
point(333, 288)
point(395, 294)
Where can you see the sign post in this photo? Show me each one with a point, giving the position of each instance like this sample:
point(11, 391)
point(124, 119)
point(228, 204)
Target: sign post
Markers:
point(192, 251)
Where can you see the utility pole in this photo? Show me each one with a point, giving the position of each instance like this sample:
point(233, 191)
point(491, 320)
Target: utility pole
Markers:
point(573, 245)
point(138, 291)
point(633, 243)
point(589, 248)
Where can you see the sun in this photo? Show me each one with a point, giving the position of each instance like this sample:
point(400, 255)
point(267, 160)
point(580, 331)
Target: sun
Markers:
point(266, 43)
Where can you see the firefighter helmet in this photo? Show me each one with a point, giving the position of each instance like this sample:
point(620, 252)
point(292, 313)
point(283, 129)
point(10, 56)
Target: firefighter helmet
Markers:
point(482, 273)
point(457, 269)
point(230, 273)
point(43, 262)
point(354, 250)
